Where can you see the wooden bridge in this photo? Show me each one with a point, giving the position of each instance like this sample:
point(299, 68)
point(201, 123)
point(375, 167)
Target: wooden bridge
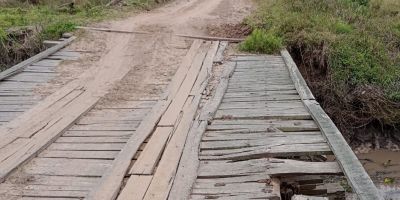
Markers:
point(246, 129)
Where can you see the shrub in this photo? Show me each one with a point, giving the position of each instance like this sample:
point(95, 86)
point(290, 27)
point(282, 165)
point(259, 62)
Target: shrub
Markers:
point(261, 41)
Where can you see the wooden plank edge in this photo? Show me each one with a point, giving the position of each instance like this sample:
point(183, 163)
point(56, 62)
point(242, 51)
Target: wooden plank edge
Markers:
point(187, 170)
point(298, 80)
point(17, 68)
point(355, 173)
point(219, 56)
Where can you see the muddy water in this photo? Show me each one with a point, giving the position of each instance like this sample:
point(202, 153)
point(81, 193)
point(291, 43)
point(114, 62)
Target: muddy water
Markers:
point(384, 168)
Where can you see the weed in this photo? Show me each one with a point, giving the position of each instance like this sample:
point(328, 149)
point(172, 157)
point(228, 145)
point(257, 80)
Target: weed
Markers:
point(262, 42)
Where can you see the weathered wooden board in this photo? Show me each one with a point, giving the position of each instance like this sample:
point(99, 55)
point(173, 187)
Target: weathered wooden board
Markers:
point(210, 169)
point(86, 146)
point(79, 154)
point(151, 154)
point(68, 167)
point(278, 150)
point(135, 188)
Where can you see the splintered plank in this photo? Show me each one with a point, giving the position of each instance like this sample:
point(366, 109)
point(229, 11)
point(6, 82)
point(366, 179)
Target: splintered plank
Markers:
point(151, 154)
point(356, 175)
point(273, 167)
point(67, 167)
point(243, 126)
point(266, 142)
point(135, 188)
point(278, 150)
point(187, 171)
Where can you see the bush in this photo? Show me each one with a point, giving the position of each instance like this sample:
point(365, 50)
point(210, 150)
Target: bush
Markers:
point(349, 52)
point(262, 42)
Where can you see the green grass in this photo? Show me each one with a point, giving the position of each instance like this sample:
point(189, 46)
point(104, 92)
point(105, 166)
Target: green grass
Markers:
point(342, 46)
point(261, 41)
point(51, 20)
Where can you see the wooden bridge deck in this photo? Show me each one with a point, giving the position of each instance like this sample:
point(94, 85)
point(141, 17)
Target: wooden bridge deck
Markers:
point(17, 91)
point(253, 131)
point(258, 131)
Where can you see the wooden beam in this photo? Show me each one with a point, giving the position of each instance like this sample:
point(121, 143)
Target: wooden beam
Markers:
point(198, 37)
point(21, 66)
point(355, 173)
point(298, 80)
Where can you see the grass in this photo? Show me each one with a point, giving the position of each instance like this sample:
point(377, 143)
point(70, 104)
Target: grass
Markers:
point(261, 41)
point(346, 49)
point(49, 20)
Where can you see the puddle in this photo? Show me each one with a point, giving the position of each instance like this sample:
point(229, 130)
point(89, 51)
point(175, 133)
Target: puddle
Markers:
point(383, 166)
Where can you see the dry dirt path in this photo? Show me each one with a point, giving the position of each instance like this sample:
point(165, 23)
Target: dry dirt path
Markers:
point(63, 146)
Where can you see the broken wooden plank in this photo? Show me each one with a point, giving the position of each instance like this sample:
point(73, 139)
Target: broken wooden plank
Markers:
point(356, 175)
point(273, 167)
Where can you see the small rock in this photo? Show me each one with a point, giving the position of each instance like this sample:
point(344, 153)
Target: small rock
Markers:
point(67, 35)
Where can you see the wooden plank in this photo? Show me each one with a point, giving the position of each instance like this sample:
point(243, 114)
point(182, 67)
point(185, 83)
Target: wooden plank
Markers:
point(189, 163)
point(58, 180)
point(219, 56)
point(152, 152)
point(273, 167)
point(248, 126)
point(110, 183)
point(219, 93)
point(182, 71)
point(267, 142)
point(97, 133)
point(161, 184)
point(356, 175)
point(172, 113)
point(68, 167)
point(87, 146)
point(116, 139)
point(135, 188)
point(17, 68)
point(162, 180)
point(301, 85)
point(109, 155)
point(290, 113)
point(279, 150)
